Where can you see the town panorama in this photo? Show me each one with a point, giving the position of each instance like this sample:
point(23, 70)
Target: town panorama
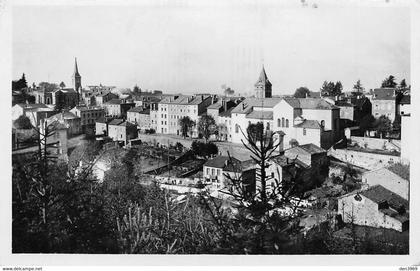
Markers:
point(112, 170)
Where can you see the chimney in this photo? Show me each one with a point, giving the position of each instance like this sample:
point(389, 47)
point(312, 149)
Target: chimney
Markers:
point(224, 104)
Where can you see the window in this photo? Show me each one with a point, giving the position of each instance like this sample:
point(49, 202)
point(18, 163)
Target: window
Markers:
point(236, 128)
point(268, 126)
point(278, 123)
point(272, 174)
point(218, 171)
point(304, 131)
point(287, 123)
point(212, 171)
point(282, 122)
point(208, 171)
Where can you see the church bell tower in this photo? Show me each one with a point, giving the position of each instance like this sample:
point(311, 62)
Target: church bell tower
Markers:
point(76, 78)
point(263, 86)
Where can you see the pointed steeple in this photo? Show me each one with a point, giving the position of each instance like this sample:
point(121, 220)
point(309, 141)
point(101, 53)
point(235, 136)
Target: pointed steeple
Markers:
point(263, 86)
point(76, 70)
point(263, 78)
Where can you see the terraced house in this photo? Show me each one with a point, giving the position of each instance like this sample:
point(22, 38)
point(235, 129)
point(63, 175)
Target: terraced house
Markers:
point(172, 109)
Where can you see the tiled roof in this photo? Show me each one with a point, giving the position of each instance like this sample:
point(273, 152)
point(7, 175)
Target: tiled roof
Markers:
point(65, 115)
point(309, 103)
point(137, 109)
point(378, 194)
point(384, 94)
point(215, 105)
point(314, 94)
point(343, 103)
point(225, 163)
point(311, 148)
point(264, 115)
point(385, 173)
point(66, 90)
point(24, 105)
point(310, 124)
point(247, 105)
point(227, 113)
point(116, 122)
point(127, 124)
point(114, 101)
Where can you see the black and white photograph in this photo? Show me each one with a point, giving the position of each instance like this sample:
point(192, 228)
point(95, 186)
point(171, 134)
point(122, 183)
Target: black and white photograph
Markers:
point(210, 128)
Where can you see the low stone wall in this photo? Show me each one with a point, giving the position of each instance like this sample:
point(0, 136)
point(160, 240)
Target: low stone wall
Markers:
point(376, 143)
point(366, 160)
point(181, 189)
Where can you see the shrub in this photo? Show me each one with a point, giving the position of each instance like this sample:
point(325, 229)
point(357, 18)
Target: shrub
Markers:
point(23, 122)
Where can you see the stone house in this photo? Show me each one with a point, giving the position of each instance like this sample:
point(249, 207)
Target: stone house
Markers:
point(88, 115)
point(173, 108)
point(117, 107)
point(102, 97)
point(139, 116)
point(388, 180)
point(375, 207)
point(120, 130)
point(70, 120)
point(216, 169)
point(384, 103)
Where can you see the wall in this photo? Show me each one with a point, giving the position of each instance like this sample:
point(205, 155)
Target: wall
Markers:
point(365, 212)
point(100, 128)
point(347, 112)
point(311, 136)
point(406, 139)
point(370, 161)
point(377, 143)
point(384, 107)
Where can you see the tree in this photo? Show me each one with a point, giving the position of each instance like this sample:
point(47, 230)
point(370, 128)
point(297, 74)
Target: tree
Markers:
point(382, 125)
point(389, 82)
point(260, 225)
point(301, 92)
point(403, 85)
point(62, 85)
point(331, 88)
point(204, 149)
point(358, 88)
point(338, 88)
point(48, 86)
point(186, 125)
point(206, 126)
point(20, 84)
point(396, 125)
point(227, 90)
point(366, 123)
point(23, 122)
point(136, 90)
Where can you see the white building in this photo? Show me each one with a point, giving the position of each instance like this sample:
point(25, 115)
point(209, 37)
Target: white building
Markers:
point(173, 108)
point(305, 120)
point(375, 207)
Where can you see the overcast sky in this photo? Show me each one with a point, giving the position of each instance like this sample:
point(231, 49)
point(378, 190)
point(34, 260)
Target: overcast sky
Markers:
point(197, 48)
